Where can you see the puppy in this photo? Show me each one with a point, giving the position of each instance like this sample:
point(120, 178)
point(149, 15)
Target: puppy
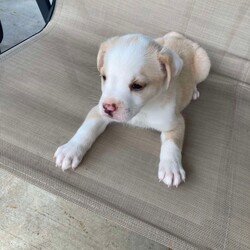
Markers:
point(145, 83)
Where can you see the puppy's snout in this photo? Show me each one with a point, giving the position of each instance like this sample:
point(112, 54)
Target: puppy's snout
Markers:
point(109, 108)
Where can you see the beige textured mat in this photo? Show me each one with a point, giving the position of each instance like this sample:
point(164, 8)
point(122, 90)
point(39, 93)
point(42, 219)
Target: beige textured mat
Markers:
point(48, 84)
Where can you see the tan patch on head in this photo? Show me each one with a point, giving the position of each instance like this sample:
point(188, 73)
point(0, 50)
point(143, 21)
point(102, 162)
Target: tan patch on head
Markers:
point(152, 67)
point(103, 49)
point(153, 47)
point(153, 75)
point(133, 39)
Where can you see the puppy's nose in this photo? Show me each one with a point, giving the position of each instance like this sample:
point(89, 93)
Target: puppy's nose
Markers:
point(109, 107)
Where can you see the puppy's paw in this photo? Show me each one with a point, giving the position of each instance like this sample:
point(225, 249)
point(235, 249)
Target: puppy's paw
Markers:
point(170, 170)
point(69, 155)
point(196, 94)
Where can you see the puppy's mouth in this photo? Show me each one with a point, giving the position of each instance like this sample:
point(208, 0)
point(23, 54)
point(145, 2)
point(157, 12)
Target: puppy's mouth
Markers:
point(109, 114)
point(115, 116)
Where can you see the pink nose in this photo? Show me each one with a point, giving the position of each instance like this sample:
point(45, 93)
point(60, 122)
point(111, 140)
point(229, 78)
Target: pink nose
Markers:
point(109, 107)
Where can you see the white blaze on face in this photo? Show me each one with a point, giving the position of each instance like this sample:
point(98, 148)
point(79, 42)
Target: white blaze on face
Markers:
point(122, 63)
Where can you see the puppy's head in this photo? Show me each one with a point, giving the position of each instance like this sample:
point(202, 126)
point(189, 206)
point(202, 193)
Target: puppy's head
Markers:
point(134, 69)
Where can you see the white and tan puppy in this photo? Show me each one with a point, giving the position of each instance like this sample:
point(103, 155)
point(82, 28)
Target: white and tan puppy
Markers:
point(145, 83)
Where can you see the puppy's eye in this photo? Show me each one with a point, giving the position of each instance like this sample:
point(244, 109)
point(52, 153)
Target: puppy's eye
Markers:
point(136, 87)
point(103, 77)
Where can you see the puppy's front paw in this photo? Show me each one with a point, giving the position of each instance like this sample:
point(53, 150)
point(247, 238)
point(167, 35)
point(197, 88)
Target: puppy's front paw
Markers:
point(170, 170)
point(69, 155)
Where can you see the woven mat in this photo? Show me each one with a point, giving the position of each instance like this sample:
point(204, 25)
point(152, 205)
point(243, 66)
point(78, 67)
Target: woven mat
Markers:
point(49, 82)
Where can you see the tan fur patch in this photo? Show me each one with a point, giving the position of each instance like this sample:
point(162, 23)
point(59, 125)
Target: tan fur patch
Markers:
point(166, 61)
point(153, 77)
point(102, 50)
point(176, 134)
point(152, 68)
point(153, 47)
point(133, 39)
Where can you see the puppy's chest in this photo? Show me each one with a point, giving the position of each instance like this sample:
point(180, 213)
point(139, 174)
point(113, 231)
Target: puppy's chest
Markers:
point(155, 117)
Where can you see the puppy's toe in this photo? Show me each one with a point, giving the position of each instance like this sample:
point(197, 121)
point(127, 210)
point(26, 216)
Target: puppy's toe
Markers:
point(59, 159)
point(67, 163)
point(161, 174)
point(176, 179)
point(183, 174)
point(196, 94)
point(168, 179)
point(76, 161)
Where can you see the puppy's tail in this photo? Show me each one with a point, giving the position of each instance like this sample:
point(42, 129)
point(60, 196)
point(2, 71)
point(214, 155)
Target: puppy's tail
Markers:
point(201, 63)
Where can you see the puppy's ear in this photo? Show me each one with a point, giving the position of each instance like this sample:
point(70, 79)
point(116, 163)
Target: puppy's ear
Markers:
point(171, 63)
point(103, 49)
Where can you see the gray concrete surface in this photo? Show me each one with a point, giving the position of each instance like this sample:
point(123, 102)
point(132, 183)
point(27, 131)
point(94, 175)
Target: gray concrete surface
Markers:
point(20, 20)
point(31, 218)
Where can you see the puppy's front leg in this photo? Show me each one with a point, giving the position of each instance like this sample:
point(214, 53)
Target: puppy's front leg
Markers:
point(70, 154)
point(170, 170)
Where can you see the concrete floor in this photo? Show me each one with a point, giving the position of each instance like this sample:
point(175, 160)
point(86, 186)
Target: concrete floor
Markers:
point(20, 20)
point(32, 218)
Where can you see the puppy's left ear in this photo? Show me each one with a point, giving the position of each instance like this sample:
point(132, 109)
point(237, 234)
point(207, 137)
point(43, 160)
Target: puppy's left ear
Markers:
point(171, 63)
point(103, 49)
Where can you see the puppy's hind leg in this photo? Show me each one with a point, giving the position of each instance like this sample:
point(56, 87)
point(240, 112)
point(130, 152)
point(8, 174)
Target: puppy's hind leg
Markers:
point(201, 67)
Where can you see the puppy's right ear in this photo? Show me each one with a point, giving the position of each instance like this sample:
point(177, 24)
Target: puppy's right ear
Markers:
point(103, 49)
point(171, 62)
